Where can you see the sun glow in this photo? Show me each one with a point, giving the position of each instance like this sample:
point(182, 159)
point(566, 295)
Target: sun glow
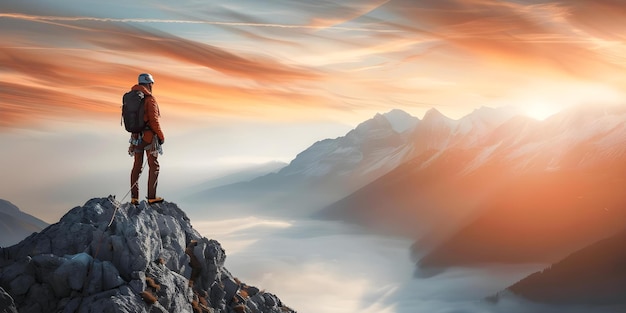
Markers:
point(540, 111)
point(548, 98)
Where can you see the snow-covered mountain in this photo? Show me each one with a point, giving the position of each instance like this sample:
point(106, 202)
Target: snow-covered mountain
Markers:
point(519, 190)
point(359, 152)
point(331, 169)
point(453, 184)
point(16, 225)
point(326, 171)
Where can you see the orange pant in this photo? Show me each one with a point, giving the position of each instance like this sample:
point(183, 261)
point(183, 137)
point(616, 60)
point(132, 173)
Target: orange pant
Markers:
point(153, 174)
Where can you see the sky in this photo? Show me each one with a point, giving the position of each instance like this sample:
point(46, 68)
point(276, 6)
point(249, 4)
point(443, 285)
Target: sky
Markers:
point(246, 82)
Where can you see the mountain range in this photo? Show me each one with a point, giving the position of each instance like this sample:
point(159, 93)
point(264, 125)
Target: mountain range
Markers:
point(519, 191)
point(331, 167)
point(107, 256)
point(492, 187)
point(16, 225)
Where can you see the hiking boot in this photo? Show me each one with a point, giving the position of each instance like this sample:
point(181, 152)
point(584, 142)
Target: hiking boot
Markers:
point(134, 201)
point(155, 200)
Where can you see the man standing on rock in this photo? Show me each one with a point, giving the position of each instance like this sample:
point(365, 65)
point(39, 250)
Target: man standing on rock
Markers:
point(148, 140)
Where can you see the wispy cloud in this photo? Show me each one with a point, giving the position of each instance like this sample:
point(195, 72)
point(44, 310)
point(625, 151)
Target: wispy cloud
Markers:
point(249, 58)
point(516, 35)
point(195, 75)
point(29, 105)
point(314, 26)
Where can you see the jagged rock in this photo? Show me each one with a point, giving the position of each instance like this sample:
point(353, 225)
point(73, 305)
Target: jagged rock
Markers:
point(111, 257)
point(6, 303)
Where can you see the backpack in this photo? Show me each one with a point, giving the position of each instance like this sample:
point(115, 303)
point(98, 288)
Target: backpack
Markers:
point(133, 110)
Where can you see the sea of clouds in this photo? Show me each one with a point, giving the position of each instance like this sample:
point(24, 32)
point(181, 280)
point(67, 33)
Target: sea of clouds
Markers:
point(322, 266)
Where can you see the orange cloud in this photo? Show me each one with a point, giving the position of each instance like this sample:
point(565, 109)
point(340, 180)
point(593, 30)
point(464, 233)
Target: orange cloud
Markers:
point(91, 72)
point(50, 82)
point(157, 44)
point(353, 56)
point(337, 14)
point(523, 37)
point(23, 105)
point(601, 18)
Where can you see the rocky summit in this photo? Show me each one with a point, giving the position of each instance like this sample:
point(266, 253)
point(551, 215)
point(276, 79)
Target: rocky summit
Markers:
point(106, 256)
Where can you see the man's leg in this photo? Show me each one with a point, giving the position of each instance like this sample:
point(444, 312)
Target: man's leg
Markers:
point(153, 175)
point(135, 173)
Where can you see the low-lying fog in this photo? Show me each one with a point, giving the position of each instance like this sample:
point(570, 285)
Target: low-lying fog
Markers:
point(320, 266)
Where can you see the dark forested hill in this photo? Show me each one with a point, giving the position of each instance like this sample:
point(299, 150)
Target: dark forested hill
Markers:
point(594, 275)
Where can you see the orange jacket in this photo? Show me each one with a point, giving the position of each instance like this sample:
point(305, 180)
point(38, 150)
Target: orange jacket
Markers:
point(151, 115)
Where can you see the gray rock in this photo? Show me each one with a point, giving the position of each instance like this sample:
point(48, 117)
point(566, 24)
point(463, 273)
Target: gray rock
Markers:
point(138, 284)
point(81, 264)
point(22, 266)
point(6, 303)
point(71, 306)
point(110, 276)
point(45, 265)
point(95, 277)
point(43, 295)
point(20, 285)
point(76, 269)
point(32, 308)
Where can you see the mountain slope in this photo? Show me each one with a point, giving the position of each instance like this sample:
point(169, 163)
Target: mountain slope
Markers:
point(516, 191)
point(429, 192)
point(326, 171)
point(16, 225)
point(593, 275)
point(561, 188)
point(145, 259)
point(538, 219)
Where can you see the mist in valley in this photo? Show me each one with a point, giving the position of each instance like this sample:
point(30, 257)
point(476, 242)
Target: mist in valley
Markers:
point(329, 266)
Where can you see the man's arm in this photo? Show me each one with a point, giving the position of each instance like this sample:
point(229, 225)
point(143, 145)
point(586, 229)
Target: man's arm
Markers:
point(152, 110)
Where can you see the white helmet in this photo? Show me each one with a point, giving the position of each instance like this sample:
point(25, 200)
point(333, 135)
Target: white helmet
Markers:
point(145, 78)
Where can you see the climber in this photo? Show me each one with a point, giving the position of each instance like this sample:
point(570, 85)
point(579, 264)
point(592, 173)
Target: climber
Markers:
point(149, 139)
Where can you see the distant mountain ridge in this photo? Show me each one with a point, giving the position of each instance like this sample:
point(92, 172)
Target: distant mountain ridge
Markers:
point(520, 190)
point(241, 175)
point(330, 167)
point(16, 225)
point(493, 186)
